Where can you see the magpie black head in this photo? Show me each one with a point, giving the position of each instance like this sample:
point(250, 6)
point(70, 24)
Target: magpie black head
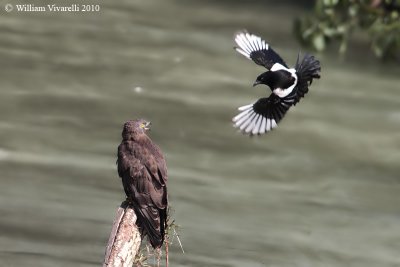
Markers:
point(266, 78)
point(275, 79)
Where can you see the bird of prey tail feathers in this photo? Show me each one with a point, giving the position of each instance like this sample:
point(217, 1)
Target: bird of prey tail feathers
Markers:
point(142, 168)
point(288, 85)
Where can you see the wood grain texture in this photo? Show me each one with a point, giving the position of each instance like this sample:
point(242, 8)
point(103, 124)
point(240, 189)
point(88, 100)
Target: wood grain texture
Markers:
point(125, 240)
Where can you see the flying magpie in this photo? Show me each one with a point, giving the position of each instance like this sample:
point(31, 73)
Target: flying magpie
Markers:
point(288, 85)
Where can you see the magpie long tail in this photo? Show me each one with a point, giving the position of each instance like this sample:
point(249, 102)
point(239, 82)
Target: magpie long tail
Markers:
point(307, 70)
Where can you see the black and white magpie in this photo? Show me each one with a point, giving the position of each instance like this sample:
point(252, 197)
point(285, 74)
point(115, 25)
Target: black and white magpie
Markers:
point(288, 85)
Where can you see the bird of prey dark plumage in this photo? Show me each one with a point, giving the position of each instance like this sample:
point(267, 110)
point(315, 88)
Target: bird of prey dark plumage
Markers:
point(143, 170)
point(288, 85)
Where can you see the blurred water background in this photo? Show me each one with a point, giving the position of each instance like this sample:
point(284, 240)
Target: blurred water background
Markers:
point(321, 190)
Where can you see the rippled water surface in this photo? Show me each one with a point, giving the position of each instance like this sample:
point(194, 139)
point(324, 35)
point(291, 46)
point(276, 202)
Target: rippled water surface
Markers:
point(321, 190)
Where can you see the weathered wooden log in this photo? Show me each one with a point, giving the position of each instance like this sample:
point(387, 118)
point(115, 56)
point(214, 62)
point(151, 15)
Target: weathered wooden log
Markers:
point(125, 240)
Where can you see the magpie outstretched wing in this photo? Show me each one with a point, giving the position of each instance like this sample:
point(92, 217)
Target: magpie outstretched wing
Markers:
point(256, 49)
point(263, 115)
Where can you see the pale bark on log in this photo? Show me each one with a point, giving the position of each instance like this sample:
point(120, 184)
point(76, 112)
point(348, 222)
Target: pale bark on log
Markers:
point(125, 240)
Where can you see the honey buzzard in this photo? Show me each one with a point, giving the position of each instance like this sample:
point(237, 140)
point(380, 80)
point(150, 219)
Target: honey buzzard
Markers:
point(142, 168)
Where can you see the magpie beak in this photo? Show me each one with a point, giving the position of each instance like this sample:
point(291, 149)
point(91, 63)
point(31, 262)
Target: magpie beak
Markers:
point(256, 82)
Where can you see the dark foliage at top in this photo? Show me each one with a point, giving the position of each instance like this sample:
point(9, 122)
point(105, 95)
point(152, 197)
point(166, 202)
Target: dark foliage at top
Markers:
point(337, 20)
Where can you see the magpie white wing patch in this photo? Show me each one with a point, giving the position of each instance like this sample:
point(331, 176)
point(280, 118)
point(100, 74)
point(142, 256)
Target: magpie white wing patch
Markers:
point(263, 115)
point(256, 49)
point(248, 43)
point(250, 122)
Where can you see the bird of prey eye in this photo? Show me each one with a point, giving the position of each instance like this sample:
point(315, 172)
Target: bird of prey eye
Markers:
point(288, 85)
point(142, 168)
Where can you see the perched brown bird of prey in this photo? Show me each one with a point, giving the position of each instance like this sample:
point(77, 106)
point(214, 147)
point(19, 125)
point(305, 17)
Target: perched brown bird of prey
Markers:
point(143, 170)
